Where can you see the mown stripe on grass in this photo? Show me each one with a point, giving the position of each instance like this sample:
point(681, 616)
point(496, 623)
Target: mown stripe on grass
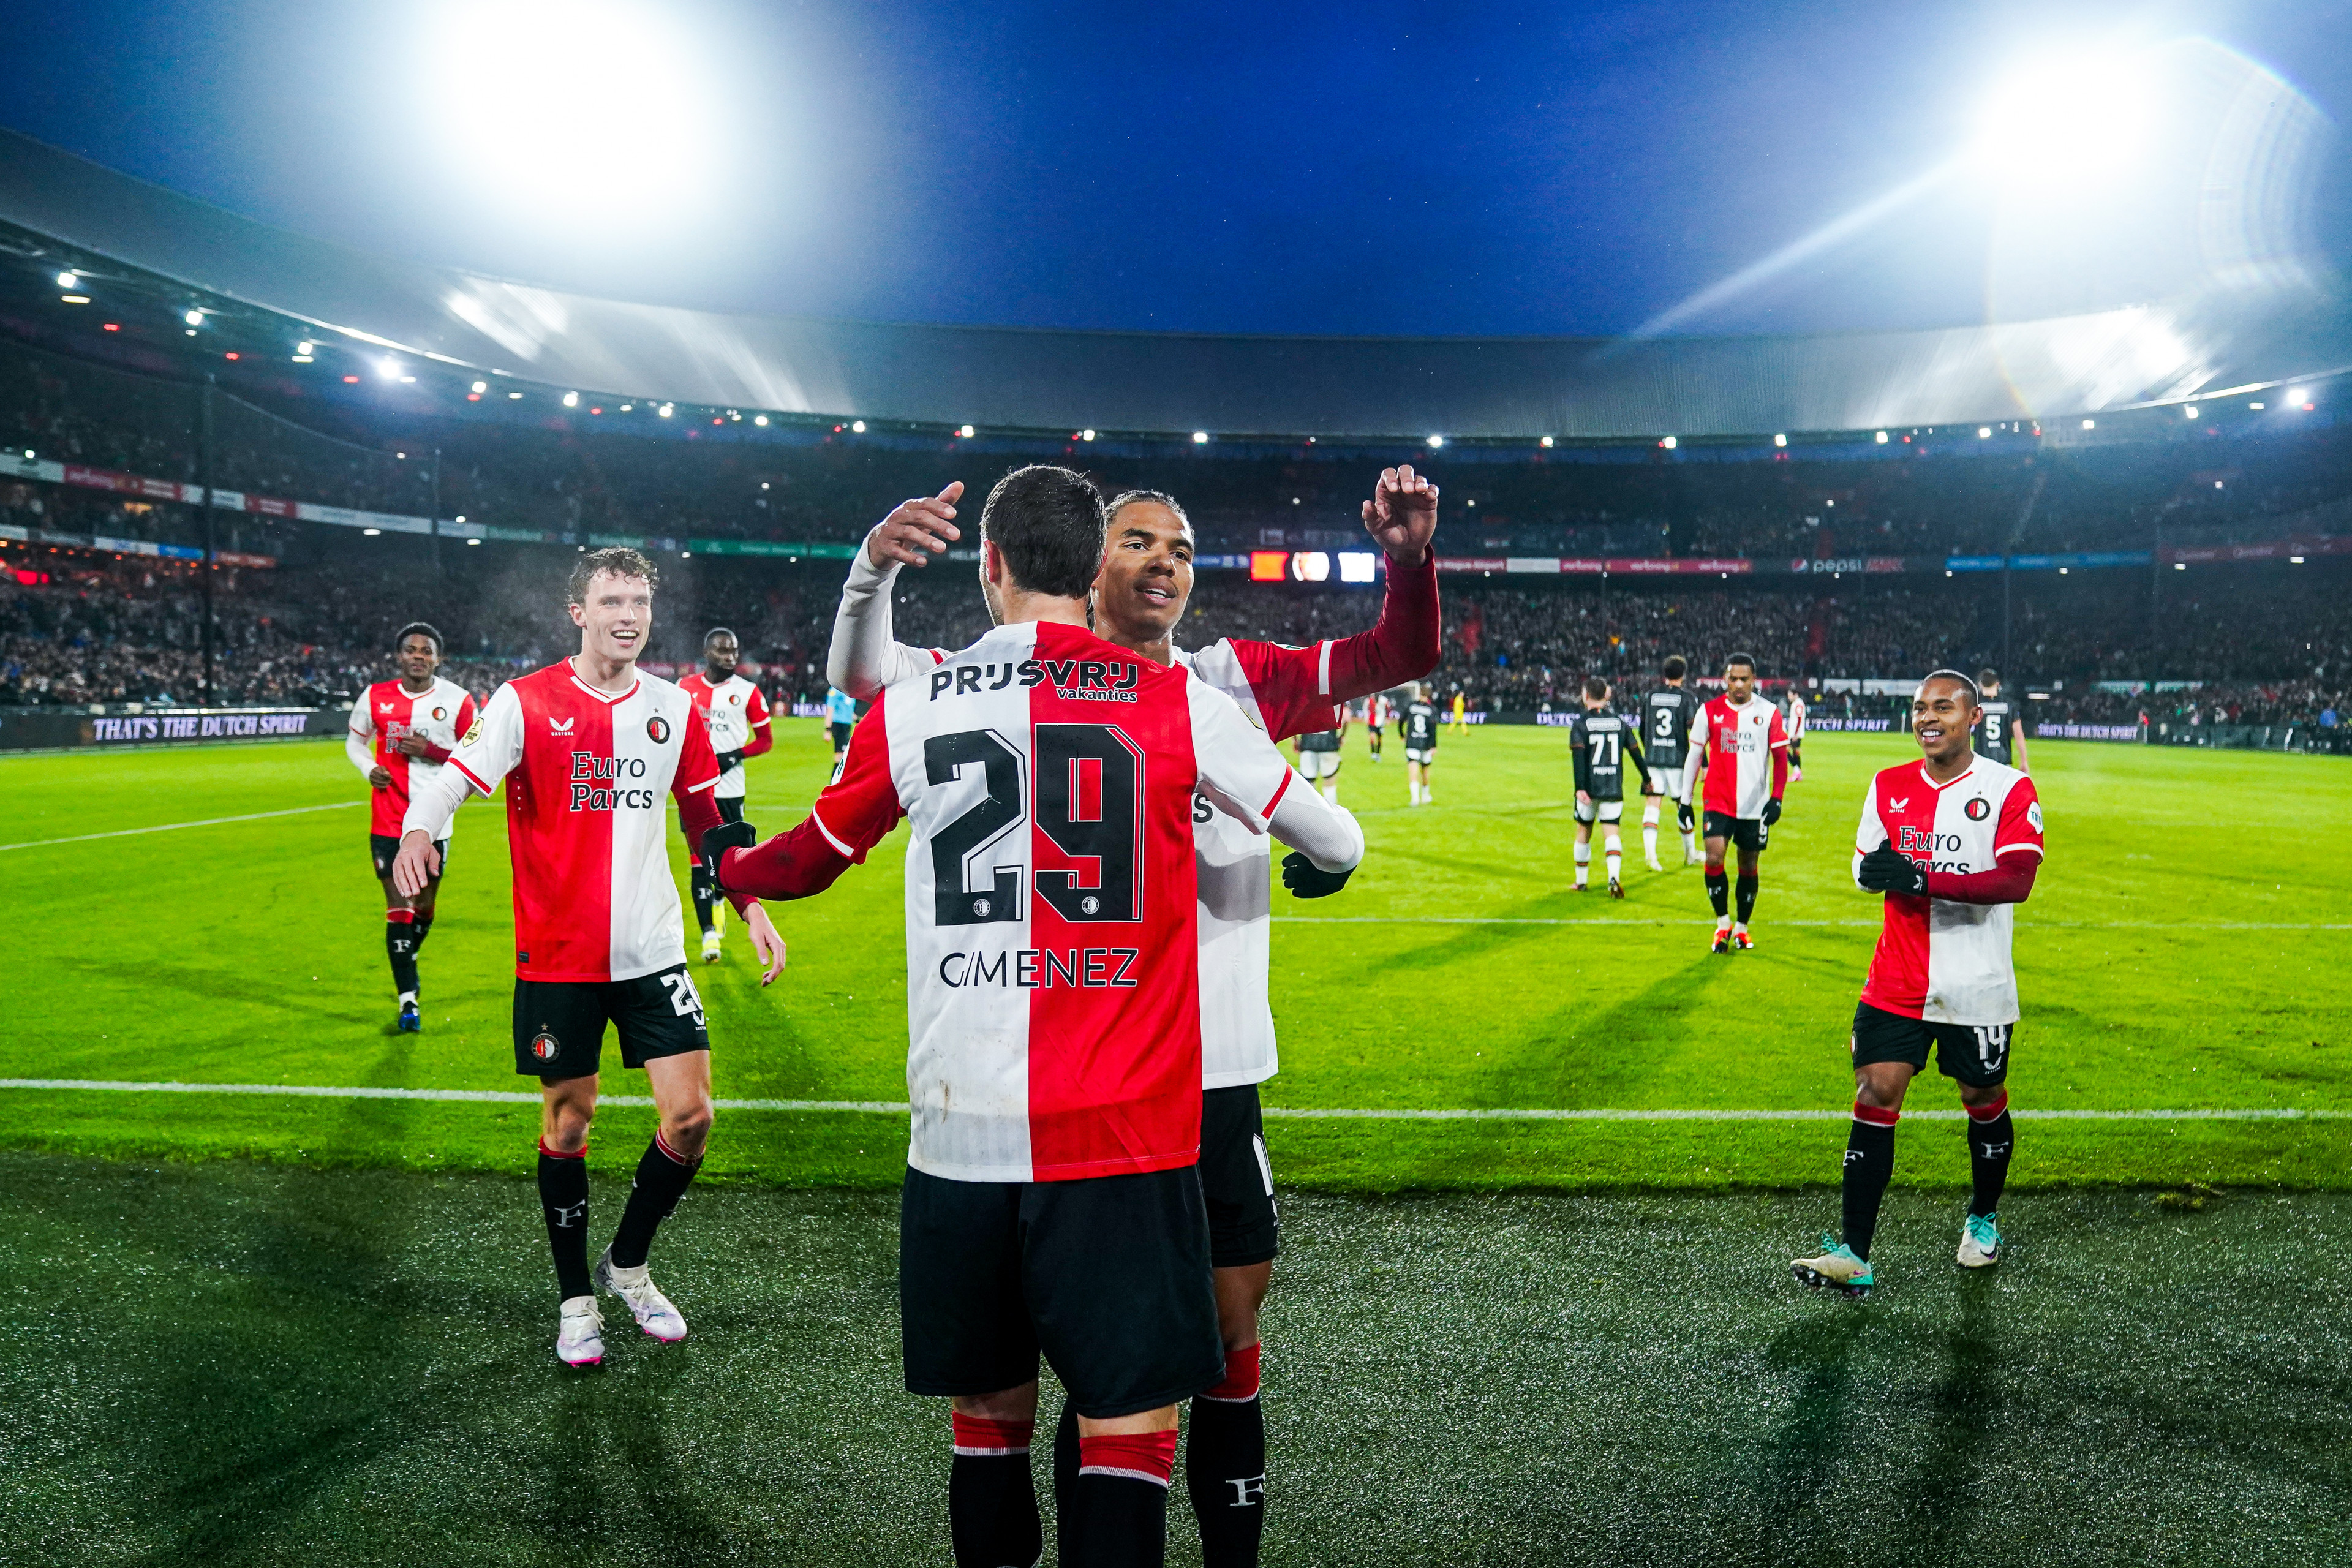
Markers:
point(171, 826)
point(1302, 1113)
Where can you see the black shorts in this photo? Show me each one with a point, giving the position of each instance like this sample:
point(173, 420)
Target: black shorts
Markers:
point(841, 735)
point(1745, 832)
point(1975, 1054)
point(1108, 1278)
point(382, 846)
point(730, 808)
point(559, 1025)
point(1236, 1178)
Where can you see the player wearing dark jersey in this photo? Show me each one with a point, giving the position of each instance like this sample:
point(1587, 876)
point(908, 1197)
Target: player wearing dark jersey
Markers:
point(1602, 745)
point(1420, 726)
point(2000, 736)
point(1666, 717)
point(1318, 758)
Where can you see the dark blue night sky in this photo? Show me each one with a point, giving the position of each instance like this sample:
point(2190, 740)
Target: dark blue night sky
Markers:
point(1345, 168)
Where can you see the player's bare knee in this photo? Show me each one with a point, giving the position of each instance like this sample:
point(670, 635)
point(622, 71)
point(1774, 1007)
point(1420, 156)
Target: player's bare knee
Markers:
point(687, 1128)
point(1018, 1403)
point(1241, 1294)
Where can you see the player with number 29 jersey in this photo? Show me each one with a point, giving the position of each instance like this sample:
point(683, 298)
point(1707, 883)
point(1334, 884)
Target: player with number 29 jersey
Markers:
point(1049, 777)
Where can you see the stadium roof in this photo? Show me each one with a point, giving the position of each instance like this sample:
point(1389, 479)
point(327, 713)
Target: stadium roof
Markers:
point(1023, 379)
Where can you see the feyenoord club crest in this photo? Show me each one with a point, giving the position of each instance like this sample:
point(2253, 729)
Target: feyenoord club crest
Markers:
point(658, 728)
point(543, 1045)
point(439, 714)
point(1978, 808)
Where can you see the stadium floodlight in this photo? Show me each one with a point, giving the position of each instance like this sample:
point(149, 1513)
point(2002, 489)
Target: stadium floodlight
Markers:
point(666, 409)
point(857, 425)
point(1882, 437)
point(1984, 432)
point(2294, 560)
point(2258, 405)
point(1546, 441)
point(476, 539)
point(1357, 566)
point(514, 398)
point(387, 367)
point(68, 279)
point(461, 516)
point(1437, 441)
point(2068, 117)
point(2180, 566)
point(964, 431)
point(304, 348)
point(1669, 443)
point(760, 420)
point(1086, 435)
point(372, 532)
point(571, 400)
point(1780, 440)
point(2190, 411)
point(196, 318)
point(1200, 437)
point(2089, 423)
point(481, 386)
point(303, 359)
point(75, 298)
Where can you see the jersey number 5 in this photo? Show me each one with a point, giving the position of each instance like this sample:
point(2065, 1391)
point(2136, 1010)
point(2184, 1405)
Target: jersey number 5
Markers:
point(1089, 798)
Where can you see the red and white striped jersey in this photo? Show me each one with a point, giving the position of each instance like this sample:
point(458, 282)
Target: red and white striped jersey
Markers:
point(586, 824)
point(1739, 744)
point(730, 711)
point(1938, 959)
point(1053, 943)
point(384, 713)
point(1796, 720)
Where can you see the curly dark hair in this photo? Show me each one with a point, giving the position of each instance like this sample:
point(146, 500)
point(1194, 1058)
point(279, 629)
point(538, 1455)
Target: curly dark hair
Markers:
point(619, 560)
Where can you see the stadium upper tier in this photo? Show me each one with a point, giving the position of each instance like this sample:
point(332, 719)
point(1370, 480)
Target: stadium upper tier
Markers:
point(1137, 383)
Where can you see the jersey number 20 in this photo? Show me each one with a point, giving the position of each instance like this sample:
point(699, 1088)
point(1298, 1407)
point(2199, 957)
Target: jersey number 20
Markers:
point(1089, 797)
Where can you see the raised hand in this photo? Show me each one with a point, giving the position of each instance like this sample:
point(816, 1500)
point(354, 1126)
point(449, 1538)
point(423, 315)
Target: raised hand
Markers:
point(1401, 516)
point(920, 528)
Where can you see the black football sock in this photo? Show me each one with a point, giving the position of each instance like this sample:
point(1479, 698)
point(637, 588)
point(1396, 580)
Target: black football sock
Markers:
point(661, 1180)
point(991, 1503)
point(704, 895)
point(1224, 1465)
point(400, 946)
point(1065, 1485)
point(421, 928)
point(1718, 893)
point(563, 1194)
point(1747, 898)
point(1869, 1162)
point(1122, 1500)
point(1992, 1136)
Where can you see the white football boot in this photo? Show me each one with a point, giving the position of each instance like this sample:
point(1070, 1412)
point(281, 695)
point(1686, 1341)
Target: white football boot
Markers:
point(1980, 1242)
point(581, 1341)
point(711, 947)
point(654, 1311)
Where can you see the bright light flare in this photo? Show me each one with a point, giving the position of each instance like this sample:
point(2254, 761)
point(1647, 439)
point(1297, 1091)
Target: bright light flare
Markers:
point(579, 110)
point(2066, 117)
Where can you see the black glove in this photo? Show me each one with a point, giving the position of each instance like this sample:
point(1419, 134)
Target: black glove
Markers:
point(730, 761)
point(1772, 811)
point(1887, 870)
point(1684, 817)
point(1305, 879)
point(717, 841)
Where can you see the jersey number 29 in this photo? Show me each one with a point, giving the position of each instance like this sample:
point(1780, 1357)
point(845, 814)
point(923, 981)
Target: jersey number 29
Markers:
point(1089, 797)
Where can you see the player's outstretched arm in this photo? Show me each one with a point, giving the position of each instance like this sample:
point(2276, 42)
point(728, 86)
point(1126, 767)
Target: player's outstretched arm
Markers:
point(862, 657)
point(1403, 645)
point(854, 813)
point(1241, 774)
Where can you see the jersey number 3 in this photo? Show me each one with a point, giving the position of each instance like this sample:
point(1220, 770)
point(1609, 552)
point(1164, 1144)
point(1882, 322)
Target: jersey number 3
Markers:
point(1089, 800)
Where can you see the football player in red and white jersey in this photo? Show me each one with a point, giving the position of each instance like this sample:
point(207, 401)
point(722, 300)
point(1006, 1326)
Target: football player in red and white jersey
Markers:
point(737, 717)
point(1057, 1010)
point(1953, 841)
point(588, 748)
point(1739, 767)
point(401, 733)
point(1139, 599)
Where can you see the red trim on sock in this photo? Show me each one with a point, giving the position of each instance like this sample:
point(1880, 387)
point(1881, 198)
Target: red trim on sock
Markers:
point(1993, 1112)
point(979, 1437)
point(672, 1155)
point(400, 917)
point(559, 1154)
point(1241, 1384)
point(1875, 1115)
point(1137, 1455)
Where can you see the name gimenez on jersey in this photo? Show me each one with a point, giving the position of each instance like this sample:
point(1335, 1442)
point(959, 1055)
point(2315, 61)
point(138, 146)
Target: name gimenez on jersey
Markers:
point(1043, 968)
point(1084, 679)
point(588, 797)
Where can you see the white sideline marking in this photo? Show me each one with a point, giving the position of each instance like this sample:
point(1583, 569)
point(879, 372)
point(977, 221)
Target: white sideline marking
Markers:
point(1866, 925)
point(168, 827)
point(893, 1107)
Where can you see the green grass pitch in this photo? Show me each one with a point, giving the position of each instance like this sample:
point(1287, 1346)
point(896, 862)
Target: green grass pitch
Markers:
point(2183, 952)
